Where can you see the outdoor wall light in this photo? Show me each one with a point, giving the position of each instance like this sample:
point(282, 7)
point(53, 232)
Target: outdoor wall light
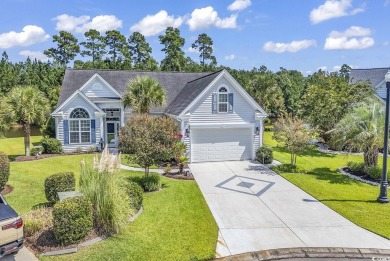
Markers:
point(257, 132)
point(187, 132)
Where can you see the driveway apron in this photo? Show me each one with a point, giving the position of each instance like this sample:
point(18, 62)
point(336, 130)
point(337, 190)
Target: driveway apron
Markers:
point(256, 209)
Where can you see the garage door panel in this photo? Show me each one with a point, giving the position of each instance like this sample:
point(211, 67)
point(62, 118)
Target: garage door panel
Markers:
point(221, 144)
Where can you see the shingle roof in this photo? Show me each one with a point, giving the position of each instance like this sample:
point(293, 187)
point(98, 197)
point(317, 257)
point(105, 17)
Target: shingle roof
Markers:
point(173, 83)
point(373, 75)
point(189, 93)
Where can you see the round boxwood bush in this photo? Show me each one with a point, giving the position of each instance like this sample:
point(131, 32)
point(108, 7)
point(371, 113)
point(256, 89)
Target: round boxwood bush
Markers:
point(152, 182)
point(135, 193)
point(59, 182)
point(72, 220)
point(4, 169)
point(264, 155)
point(51, 146)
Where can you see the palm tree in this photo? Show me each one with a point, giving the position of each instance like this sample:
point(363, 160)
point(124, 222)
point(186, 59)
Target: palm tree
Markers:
point(362, 130)
point(142, 93)
point(27, 105)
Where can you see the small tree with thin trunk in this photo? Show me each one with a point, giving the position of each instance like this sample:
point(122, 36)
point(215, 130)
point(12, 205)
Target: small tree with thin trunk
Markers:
point(27, 106)
point(294, 135)
point(152, 140)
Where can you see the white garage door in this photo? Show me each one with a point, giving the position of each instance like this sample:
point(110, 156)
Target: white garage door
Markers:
point(221, 144)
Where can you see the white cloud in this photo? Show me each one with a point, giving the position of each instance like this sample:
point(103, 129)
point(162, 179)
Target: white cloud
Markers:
point(322, 68)
point(387, 2)
point(154, 24)
point(238, 5)
point(292, 47)
point(34, 55)
point(30, 34)
point(207, 17)
point(230, 57)
point(192, 50)
point(355, 37)
point(336, 68)
point(81, 24)
point(333, 9)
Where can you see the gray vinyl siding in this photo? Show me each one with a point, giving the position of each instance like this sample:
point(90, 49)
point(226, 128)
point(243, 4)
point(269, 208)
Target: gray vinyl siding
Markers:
point(381, 90)
point(243, 112)
point(77, 102)
point(105, 91)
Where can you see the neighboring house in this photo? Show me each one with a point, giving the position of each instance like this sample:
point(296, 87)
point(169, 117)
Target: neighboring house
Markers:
point(219, 120)
point(375, 76)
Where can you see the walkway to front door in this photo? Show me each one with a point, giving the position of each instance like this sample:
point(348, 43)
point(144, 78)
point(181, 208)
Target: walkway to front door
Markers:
point(256, 209)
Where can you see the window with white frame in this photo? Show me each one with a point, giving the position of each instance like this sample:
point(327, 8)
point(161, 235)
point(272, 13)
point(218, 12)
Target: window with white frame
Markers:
point(222, 100)
point(79, 126)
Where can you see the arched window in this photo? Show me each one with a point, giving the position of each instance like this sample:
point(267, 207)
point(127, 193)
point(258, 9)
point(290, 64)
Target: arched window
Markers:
point(222, 99)
point(79, 126)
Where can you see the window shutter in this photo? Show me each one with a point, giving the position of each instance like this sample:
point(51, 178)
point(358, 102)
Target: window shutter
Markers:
point(214, 107)
point(66, 132)
point(93, 131)
point(230, 99)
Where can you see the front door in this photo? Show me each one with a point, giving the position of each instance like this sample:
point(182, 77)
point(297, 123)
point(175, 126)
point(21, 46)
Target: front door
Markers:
point(112, 134)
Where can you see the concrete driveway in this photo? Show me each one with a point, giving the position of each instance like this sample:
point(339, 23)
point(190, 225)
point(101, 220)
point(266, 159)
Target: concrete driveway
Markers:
point(256, 209)
point(23, 255)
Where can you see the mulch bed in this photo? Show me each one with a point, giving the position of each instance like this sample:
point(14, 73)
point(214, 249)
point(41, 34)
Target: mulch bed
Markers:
point(6, 190)
point(44, 156)
point(178, 176)
point(45, 241)
point(362, 175)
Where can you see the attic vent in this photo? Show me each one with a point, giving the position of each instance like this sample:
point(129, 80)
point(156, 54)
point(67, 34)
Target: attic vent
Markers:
point(96, 86)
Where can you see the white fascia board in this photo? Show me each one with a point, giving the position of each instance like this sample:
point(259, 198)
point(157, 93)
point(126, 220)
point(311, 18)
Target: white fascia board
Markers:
point(97, 75)
point(221, 125)
point(78, 92)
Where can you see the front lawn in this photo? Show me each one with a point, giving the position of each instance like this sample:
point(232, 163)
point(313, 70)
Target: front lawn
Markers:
point(13, 142)
point(354, 200)
point(176, 223)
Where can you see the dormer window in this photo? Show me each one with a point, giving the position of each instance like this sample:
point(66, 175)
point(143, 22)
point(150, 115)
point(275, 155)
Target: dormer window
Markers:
point(222, 100)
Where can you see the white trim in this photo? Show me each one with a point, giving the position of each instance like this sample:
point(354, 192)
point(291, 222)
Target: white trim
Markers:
point(227, 98)
point(82, 95)
point(221, 125)
point(117, 101)
point(97, 75)
point(235, 84)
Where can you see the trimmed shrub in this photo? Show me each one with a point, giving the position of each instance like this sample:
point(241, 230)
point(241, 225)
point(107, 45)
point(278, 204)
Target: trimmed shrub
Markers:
point(4, 169)
point(375, 172)
point(72, 220)
point(289, 168)
point(264, 155)
point(36, 151)
point(36, 220)
point(152, 182)
point(59, 182)
point(51, 146)
point(355, 166)
point(135, 193)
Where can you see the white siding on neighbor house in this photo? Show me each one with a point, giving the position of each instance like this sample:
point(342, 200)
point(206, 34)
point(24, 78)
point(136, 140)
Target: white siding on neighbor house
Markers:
point(77, 102)
point(243, 112)
point(381, 90)
point(104, 91)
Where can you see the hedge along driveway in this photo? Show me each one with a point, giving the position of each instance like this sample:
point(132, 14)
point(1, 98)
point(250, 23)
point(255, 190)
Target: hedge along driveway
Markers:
point(176, 223)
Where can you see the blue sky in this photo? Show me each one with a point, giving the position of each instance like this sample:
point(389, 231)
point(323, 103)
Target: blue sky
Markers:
point(304, 35)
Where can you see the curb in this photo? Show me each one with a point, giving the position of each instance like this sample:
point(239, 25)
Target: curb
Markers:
point(310, 252)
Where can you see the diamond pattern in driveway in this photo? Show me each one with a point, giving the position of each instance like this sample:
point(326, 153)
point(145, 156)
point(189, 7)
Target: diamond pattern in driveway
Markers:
point(256, 209)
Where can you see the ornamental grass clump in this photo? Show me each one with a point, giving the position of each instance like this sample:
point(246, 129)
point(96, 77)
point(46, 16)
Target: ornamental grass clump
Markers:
point(102, 184)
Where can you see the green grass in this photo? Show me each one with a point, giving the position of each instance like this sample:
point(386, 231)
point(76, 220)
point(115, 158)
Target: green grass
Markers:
point(176, 223)
point(13, 142)
point(353, 199)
